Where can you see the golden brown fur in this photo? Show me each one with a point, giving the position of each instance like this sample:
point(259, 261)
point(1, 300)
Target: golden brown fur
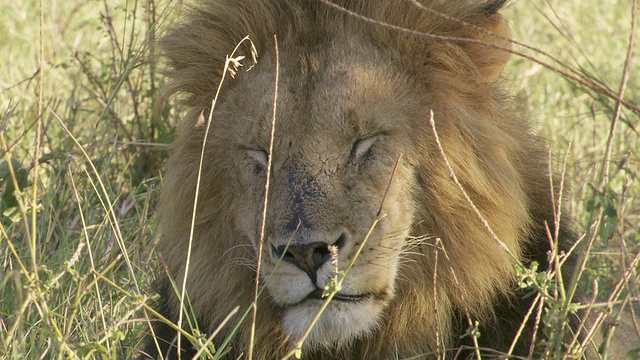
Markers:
point(353, 97)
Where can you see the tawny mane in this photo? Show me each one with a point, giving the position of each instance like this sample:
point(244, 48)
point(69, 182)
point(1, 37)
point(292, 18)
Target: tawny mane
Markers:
point(452, 69)
point(214, 28)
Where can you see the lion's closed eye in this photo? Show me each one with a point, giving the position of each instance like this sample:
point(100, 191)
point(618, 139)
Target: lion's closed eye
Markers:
point(260, 156)
point(362, 147)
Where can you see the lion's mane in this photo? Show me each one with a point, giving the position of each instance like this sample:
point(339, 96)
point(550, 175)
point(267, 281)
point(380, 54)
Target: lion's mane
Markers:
point(497, 157)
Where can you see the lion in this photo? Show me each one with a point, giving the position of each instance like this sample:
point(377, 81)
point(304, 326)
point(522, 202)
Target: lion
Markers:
point(439, 216)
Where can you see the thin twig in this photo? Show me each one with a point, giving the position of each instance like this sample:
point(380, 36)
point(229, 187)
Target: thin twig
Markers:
point(435, 302)
point(604, 174)
point(197, 190)
point(620, 97)
point(252, 333)
point(524, 323)
point(453, 176)
point(386, 191)
point(209, 340)
point(584, 81)
point(36, 151)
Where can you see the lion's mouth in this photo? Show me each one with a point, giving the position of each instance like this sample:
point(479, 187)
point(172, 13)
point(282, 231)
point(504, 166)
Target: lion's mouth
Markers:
point(317, 295)
point(345, 298)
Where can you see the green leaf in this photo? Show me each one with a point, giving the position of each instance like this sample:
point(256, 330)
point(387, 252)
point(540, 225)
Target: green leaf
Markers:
point(607, 229)
point(7, 185)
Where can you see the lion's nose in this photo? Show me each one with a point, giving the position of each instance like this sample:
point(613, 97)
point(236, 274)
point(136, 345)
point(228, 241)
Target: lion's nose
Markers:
point(308, 257)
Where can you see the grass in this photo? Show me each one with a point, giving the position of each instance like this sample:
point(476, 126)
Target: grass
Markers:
point(578, 121)
point(76, 240)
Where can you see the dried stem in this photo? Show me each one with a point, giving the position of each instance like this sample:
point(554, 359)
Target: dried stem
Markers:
point(252, 333)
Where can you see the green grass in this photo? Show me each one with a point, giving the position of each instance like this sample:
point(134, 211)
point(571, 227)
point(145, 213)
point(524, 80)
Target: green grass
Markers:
point(592, 39)
point(76, 242)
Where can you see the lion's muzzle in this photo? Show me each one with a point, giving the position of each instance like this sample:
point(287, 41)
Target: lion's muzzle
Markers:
point(309, 257)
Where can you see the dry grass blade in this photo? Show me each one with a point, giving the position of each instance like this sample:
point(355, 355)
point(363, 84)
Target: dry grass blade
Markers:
point(266, 198)
point(453, 176)
point(227, 65)
point(569, 73)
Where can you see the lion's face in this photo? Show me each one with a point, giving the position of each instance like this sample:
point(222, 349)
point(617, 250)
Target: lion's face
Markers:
point(338, 137)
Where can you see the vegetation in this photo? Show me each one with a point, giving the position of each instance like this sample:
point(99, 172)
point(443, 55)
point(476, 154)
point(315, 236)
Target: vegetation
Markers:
point(81, 150)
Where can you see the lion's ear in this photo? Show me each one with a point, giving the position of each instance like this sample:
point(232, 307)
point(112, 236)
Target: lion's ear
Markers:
point(491, 54)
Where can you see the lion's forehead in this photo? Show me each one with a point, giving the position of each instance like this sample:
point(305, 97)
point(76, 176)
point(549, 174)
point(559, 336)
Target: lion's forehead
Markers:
point(346, 96)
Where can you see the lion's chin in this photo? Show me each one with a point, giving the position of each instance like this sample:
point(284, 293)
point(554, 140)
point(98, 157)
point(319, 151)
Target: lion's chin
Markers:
point(344, 320)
